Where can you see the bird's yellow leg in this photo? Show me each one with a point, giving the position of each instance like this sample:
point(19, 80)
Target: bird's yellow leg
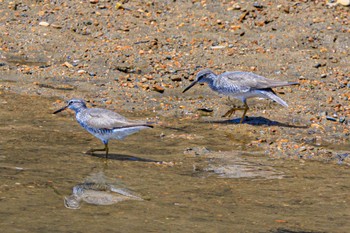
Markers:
point(106, 149)
point(91, 151)
point(232, 110)
point(229, 112)
point(245, 111)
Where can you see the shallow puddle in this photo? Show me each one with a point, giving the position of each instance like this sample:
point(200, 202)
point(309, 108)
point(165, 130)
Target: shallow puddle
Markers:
point(191, 177)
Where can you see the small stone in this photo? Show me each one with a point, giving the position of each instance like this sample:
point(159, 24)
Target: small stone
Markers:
point(323, 75)
point(44, 24)
point(56, 26)
point(342, 119)
point(158, 88)
point(93, 1)
point(118, 6)
point(257, 5)
point(81, 71)
point(176, 79)
point(286, 10)
point(218, 47)
point(44, 66)
point(67, 64)
point(205, 109)
point(317, 65)
point(75, 63)
point(344, 2)
point(331, 118)
point(236, 7)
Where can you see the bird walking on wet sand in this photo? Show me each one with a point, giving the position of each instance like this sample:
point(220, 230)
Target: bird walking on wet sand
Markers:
point(102, 123)
point(242, 86)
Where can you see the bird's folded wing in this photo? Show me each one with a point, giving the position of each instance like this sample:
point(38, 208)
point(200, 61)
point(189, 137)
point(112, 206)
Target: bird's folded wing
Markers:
point(105, 119)
point(249, 81)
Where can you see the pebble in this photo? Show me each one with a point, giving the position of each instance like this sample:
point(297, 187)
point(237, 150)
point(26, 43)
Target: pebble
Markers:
point(318, 65)
point(331, 118)
point(81, 71)
point(44, 24)
point(344, 2)
point(56, 26)
point(218, 47)
point(206, 109)
point(323, 75)
point(75, 63)
point(286, 9)
point(257, 5)
point(67, 64)
point(342, 119)
point(44, 66)
point(323, 113)
point(342, 86)
point(236, 7)
point(158, 88)
point(176, 79)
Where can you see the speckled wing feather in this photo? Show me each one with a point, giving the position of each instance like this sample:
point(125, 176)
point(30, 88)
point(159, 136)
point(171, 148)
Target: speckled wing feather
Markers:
point(246, 81)
point(106, 119)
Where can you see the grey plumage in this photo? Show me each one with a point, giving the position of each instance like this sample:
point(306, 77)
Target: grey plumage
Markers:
point(103, 123)
point(241, 85)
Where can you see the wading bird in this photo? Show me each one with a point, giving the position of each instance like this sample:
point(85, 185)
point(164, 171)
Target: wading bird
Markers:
point(102, 123)
point(242, 86)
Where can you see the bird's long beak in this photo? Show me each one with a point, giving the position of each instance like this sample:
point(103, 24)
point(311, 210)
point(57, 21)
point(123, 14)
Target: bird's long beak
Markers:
point(61, 109)
point(191, 85)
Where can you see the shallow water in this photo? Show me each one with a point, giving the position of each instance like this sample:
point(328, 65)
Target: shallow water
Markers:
point(205, 184)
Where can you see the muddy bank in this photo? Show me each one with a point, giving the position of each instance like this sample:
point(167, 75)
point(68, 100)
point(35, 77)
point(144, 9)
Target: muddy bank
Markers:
point(138, 57)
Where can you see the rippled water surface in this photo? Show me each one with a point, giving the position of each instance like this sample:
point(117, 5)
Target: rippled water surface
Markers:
point(209, 181)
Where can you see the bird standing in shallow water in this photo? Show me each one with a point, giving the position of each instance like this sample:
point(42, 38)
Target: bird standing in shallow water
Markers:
point(242, 86)
point(102, 123)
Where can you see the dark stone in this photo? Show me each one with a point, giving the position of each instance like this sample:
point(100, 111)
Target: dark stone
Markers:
point(331, 118)
point(257, 5)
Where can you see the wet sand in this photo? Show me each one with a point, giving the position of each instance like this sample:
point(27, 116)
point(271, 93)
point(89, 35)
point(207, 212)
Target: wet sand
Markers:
point(189, 177)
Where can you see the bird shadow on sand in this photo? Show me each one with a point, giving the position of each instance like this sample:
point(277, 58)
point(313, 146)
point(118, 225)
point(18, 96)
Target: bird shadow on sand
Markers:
point(122, 157)
point(258, 121)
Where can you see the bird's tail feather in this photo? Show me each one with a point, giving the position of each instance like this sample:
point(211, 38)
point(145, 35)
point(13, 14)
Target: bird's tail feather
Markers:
point(275, 98)
point(122, 132)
